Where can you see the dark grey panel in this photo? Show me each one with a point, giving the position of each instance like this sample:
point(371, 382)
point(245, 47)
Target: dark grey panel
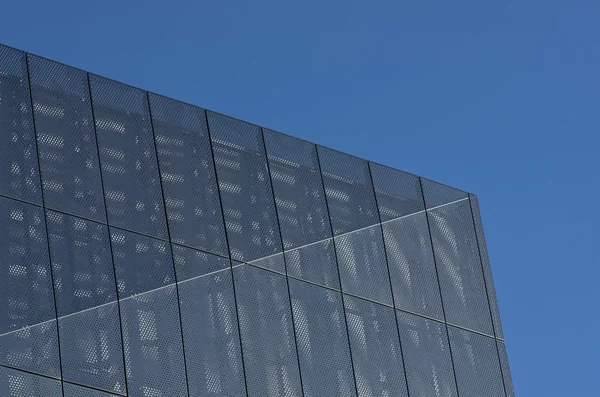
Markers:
point(275, 262)
point(508, 383)
point(188, 175)
point(487, 268)
point(476, 364)
point(210, 331)
point(398, 193)
point(427, 357)
point(323, 348)
point(81, 262)
point(363, 269)
point(412, 268)
point(78, 391)
point(245, 187)
point(128, 157)
point(439, 194)
point(91, 348)
point(315, 263)
point(22, 384)
point(298, 188)
point(154, 359)
point(349, 191)
point(267, 333)
point(375, 348)
point(19, 174)
point(190, 263)
point(459, 268)
point(141, 263)
point(66, 139)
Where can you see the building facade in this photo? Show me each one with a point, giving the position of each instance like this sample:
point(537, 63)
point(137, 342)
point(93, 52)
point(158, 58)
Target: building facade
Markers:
point(151, 248)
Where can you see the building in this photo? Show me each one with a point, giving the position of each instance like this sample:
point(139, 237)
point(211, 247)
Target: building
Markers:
point(150, 248)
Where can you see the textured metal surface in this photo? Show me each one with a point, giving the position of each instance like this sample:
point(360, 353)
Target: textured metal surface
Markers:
point(508, 383)
point(348, 189)
point(476, 364)
point(323, 350)
point(19, 174)
point(128, 157)
point(190, 263)
point(21, 384)
point(267, 333)
point(361, 260)
point(188, 175)
point(459, 268)
point(315, 263)
point(66, 139)
point(427, 357)
point(78, 391)
point(437, 194)
point(245, 188)
point(375, 347)
point(398, 193)
point(412, 267)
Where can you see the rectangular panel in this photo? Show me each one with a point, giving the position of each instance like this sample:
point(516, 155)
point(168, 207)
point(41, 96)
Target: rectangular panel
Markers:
point(267, 333)
point(459, 268)
point(427, 355)
point(323, 349)
point(128, 157)
point(412, 267)
point(210, 331)
point(188, 175)
point(78, 391)
point(22, 384)
point(191, 264)
point(348, 189)
point(66, 139)
point(245, 187)
point(298, 188)
point(362, 264)
point(154, 358)
point(19, 174)
point(436, 194)
point(398, 193)
point(508, 383)
point(487, 268)
point(375, 348)
point(476, 364)
point(315, 263)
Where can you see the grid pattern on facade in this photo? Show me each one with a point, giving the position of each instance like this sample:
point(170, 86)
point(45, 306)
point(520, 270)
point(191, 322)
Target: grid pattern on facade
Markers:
point(153, 248)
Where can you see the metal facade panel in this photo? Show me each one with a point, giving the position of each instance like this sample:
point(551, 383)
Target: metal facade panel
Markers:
point(267, 331)
point(245, 187)
point(22, 384)
point(188, 175)
point(78, 391)
point(375, 347)
point(19, 173)
point(323, 348)
point(508, 383)
point(437, 194)
point(190, 263)
point(66, 139)
point(315, 263)
point(459, 267)
point(398, 193)
point(128, 157)
point(412, 266)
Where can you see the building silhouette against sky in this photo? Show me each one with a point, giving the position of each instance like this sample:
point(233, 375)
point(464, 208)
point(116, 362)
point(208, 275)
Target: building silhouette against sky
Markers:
point(151, 248)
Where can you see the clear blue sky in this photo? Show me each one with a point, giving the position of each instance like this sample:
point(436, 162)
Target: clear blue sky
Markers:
point(501, 100)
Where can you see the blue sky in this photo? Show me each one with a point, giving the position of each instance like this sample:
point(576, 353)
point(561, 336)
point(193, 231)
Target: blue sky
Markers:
point(502, 100)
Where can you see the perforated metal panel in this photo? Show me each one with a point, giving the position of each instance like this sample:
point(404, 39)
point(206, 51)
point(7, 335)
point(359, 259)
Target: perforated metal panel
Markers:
point(22, 384)
point(91, 348)
point(141, 263)
point(412, 268)
point(190, 263)
point(299, 194)
point(210, 330)
point(78, 391)
point(398, 193)
point(188, 175)
point(154, 359)
point(66, 139)
point(375, 348)
point(315, 263)
point(437, 194)
point(128, 157)
point(487, 268)
point(323, 348)
point(81, 261)
point(459, 268)
point(245, 187)
point(19, 174)
point(427, 357)
point(267, 333)
point(362, 264)
point(508, 383)
point(348, 189)
point(275, 262)
point(476, 364)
